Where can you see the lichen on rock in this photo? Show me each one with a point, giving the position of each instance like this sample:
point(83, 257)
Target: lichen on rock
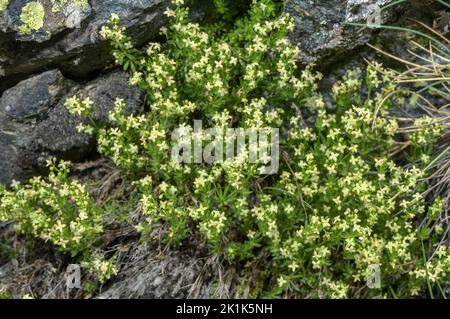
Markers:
point(32, 17)
point(57, 4)
point(3, 4)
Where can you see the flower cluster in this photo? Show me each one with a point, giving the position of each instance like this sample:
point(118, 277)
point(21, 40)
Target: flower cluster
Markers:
point(339, 203)
point(353, 206)
point(60, 211)
point(426, 132)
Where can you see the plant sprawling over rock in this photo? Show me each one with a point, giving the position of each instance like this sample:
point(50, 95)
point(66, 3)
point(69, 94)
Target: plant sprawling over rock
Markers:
point(339, 204)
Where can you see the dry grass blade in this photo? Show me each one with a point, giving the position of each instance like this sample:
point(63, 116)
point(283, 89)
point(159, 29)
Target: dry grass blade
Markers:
point(433, 31)
point(406, 62)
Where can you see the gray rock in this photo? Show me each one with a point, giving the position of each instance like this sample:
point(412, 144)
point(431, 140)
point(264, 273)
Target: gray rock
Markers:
point(322, 29)
point(20, 108)
point(144, 275)
point(35, 125)
point(151, 272)
point(32, 98)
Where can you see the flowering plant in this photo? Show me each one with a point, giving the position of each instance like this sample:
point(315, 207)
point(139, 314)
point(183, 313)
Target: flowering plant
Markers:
point(339, 203)
point(60, 211)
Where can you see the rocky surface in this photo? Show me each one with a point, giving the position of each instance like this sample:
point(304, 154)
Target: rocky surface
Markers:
point(149, 272)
